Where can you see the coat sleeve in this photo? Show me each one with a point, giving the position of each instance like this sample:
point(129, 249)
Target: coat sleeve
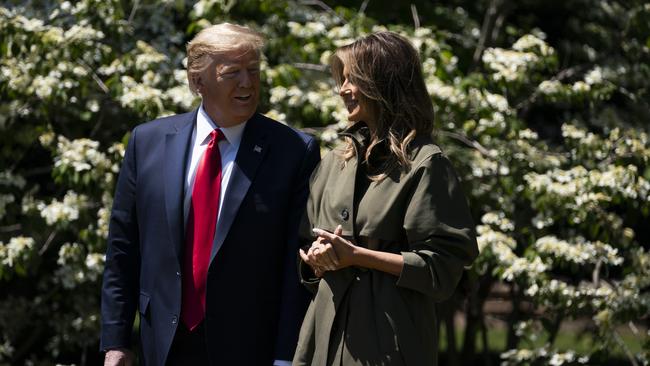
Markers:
point(122, 268)
point(306, 236)
point(294, 297)
point(439, 229)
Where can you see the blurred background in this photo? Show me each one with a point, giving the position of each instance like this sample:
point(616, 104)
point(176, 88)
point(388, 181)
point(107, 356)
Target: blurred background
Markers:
point(542, 106)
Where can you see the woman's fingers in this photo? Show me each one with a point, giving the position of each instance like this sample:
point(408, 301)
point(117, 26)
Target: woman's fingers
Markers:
point(331, 255)
point(339, 230)
point(303, 256)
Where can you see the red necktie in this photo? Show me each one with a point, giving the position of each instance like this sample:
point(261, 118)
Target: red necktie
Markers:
point(201, 225)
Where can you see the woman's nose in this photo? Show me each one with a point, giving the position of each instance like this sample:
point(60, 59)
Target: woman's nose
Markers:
point(345, 89)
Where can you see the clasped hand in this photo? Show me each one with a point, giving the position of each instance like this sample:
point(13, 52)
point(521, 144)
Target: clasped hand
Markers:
point(329, 252)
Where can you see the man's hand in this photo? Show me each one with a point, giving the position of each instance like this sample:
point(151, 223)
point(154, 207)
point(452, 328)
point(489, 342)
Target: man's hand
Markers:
point(119, 357)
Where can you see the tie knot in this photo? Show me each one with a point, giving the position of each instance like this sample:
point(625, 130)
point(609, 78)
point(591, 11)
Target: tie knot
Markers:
point(216, 135)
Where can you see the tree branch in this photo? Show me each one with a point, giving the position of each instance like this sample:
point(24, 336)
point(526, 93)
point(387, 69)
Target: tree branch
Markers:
point(323, 6)
point(308, 66)
point(416, 18)
point(487, 33)
point(464, 139)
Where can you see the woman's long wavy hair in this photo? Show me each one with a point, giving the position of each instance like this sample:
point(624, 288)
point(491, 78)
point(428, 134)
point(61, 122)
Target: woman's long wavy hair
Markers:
point(387, 71)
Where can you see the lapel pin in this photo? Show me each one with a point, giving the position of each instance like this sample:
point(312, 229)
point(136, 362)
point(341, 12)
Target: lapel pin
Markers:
point(257, 149)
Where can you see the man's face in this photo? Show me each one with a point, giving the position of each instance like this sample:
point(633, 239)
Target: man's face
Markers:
point(230, 87)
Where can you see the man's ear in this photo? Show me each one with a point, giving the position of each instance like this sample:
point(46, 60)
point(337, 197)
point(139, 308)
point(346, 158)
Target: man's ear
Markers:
point(198, 82)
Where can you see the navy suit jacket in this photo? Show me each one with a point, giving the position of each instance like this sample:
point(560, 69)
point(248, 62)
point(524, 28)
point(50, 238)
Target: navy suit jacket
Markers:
point(254, 303)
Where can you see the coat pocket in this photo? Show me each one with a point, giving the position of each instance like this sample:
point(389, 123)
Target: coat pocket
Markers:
point(143, 305)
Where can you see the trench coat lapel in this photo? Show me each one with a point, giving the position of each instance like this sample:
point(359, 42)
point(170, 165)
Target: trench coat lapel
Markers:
point(253, 148)
point(177, 141)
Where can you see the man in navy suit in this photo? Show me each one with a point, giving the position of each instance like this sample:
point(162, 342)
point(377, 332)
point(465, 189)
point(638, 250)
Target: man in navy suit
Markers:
point(203, 231)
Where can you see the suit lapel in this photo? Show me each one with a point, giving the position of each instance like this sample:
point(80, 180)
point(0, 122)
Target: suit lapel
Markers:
point(177, 142)
point(252, 149)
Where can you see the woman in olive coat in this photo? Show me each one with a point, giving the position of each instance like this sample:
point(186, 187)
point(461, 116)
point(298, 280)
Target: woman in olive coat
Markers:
point(390, 229)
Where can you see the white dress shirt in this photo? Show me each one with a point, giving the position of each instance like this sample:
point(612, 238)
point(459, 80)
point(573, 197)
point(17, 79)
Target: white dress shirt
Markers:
point(228, 148)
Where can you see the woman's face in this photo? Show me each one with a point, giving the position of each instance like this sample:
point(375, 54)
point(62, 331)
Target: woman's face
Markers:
point(355, 102)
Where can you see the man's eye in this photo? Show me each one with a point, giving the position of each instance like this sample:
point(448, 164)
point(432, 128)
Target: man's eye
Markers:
point(229, 74)
point(254, 70)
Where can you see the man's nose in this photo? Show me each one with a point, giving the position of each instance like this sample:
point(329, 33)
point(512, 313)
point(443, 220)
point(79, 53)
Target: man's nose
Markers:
point(245, 79)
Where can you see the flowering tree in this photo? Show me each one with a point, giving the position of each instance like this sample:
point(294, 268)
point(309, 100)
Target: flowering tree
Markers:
point(547, 126)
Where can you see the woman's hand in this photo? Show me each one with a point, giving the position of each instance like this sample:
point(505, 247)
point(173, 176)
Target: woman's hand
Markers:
point(321, 256)
point(344, 249)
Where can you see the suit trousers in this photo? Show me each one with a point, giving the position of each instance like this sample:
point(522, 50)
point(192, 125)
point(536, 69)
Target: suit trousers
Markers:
point(189, 348)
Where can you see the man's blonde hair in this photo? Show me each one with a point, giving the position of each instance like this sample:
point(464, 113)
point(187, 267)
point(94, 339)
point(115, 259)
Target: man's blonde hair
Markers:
point(216, 40)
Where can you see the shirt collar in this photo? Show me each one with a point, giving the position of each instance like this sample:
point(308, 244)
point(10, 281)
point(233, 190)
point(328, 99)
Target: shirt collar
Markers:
point(205, 125)
point(359, 131)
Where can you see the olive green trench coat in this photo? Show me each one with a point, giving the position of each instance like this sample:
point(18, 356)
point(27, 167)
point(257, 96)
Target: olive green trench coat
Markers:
point(366, 317)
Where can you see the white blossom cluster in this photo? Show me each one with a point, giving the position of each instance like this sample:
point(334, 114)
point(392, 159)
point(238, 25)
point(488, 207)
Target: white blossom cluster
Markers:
point(498, 219)
point(508, 65)
point(501, 247)
point(485, 167)
point(425, 42)
point(202, 7)
point(579, 252)
point(444, 92)
point(544, 355)
point(551, 87)
point(556, 293)
point(147, 57)
point(135, 93)
point(104, 216)
point(592, 82)
point(513, 65)
point(622, 144)
point(583, 188)
point(63, 211)
point(307, 30)
point(80, 155)
point(530, 42)
point(17, 251)
point(77, 267)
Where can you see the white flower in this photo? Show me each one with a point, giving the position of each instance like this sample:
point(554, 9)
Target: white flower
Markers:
point(278, 116)
point(508, 65)
point(82, 33)
point(529, 41)
point(80, 154)
point(94, 265)
point(43, 86)
point(580, 86)
point(278, 93)
point(594, 76)
point(181, 96)
point(550, 87)
point(17, 250)
point(498, 219)
point(498, 102)
point(561, 358)
point(135, 93)
point(148, 56)
point(63, 211)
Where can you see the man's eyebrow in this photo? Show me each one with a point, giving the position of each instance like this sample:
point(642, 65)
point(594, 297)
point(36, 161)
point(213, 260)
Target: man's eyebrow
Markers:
point(236, 64)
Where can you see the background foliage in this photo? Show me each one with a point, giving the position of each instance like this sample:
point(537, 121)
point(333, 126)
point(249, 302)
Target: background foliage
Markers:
point(543, 106)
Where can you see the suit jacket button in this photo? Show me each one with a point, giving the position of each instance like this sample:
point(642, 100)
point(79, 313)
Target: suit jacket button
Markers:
point(178, 274)
point(174, 319)
point(345, 214)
